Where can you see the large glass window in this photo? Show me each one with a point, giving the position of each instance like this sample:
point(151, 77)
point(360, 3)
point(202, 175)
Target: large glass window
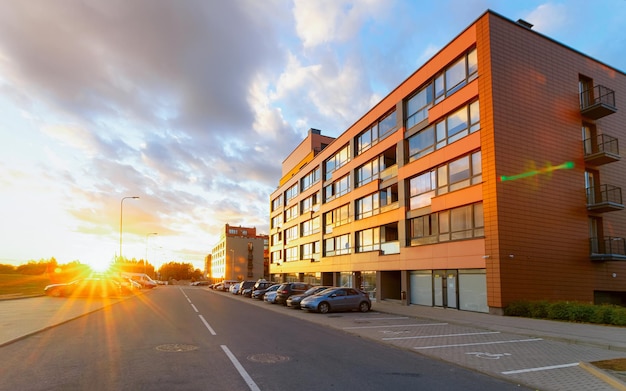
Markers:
point(291, 193)
point(422, 143)
point(417, 106)
point(310, 179)
point(336, 161)
point(277, 202)
point(336, 217)
point(277, 221)
point(309, 203)
point(291, 234)
point(372, 204)
point(464, 222)
point(422, 189)
point(368, 240)
point(291, 213)
point(291, 254)
point(337, 188)
point(310, 251)
point(372, 135)
point(370, 171)
point(310, 227)
point(338, 245)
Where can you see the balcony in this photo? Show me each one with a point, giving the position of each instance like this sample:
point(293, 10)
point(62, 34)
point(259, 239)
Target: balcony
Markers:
point(597, 102)
point(609, 248)
point(601, 149)
point(604, 198)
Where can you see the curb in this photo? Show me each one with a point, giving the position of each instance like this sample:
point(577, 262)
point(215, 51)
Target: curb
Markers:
point(604, 376)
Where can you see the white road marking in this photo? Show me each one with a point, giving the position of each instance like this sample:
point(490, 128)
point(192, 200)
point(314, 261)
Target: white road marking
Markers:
point(443, 335)
point(194, 308)
point(394, 318)
point(208, 326)
point(395, 325)
point(240, 369)
point(574, 364)
point(478, 343)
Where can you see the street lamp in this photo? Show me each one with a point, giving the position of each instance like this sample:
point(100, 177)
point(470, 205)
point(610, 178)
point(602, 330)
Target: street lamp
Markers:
point(145, 260)
point(232, 262)
point(121, 210)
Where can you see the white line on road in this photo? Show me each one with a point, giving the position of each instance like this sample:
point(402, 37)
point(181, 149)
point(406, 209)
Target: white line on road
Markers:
point(443, 335)
point(208, 326)
point(478, 343)
point(194, 308)
point(394, 318)
point(574, 364)
point(240, 369)
point(395, 325)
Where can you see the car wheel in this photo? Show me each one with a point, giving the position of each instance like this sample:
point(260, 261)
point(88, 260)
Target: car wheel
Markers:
point(323, 308)
point(364, 306)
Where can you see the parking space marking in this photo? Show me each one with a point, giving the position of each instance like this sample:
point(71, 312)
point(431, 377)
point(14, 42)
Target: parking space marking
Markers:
point(477, 343)
point(442, 335)
point(395, 325)
point(574, 364)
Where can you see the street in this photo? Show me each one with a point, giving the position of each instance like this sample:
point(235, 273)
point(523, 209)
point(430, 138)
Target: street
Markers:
point(187, 338)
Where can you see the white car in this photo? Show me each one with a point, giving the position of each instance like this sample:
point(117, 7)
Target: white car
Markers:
point(234, 288)
point(270, 297)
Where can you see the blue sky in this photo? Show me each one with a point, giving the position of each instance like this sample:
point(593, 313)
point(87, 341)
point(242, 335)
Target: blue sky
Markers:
point(192, 105)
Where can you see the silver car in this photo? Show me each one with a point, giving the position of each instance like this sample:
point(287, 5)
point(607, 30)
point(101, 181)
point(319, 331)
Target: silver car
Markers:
point(337, 299)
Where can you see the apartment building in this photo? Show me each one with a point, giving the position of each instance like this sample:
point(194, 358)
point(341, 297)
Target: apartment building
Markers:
point(492, 174)
point(240, 254)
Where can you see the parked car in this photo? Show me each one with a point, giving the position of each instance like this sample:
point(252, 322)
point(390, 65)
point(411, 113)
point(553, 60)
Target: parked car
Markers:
point(289, 289)
point(200, 283)
point(294, 300)
point(234, 288)
point(86, 287)
point(260, 293)
point(128, 285)
point(270, 297)
point(337, 299)
point(226, 284)
point(245, 288)
point(218, 287)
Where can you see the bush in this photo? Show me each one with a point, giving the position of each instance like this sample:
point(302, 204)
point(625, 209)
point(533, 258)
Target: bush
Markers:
point(568, 311)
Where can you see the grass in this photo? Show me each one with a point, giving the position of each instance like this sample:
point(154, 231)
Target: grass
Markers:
point(22, 285)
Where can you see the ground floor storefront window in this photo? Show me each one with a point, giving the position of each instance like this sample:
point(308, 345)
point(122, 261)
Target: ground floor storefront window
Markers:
point(464, 289)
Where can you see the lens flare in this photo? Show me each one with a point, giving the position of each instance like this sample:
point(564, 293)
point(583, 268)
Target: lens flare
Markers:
point(549, 168)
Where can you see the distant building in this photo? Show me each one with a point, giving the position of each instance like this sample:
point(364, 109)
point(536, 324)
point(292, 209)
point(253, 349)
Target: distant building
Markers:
point(492, 174)
point(240, 254)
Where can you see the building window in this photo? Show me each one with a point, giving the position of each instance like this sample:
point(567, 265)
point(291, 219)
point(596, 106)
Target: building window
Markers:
point(291, 193)
point(310, 251)
point(277, 238)
point(291, 234)
point(277, 256)
point(377, 132)
point(310, 227)
point(277, 221)
point(291, 254)
point(291, 213)
point(417, 106)
point(336, 217)
point(452, 128)
point(370, 171)
point(465, 222)
point(339, 245)
point(337, 188)
point(277, 203)
point(310, 203)
point(457, 174)
point(336, 161)
point(368, 240)
point(310, 179)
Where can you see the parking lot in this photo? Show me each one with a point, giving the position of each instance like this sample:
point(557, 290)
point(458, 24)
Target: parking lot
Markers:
point(509, 348)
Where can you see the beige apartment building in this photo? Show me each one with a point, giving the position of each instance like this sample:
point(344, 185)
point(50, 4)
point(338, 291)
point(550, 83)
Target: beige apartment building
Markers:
point(492, 174)
point(240, 254)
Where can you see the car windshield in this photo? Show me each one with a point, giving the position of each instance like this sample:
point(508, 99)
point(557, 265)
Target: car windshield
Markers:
point(311, 291)
point(325, 292)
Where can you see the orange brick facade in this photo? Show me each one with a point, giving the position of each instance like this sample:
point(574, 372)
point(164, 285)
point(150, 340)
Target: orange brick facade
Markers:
point(527, 238)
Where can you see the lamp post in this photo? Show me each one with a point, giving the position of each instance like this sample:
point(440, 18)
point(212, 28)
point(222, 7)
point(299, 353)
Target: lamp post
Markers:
point(232, 262)
point(121, 214)
point(145, 260)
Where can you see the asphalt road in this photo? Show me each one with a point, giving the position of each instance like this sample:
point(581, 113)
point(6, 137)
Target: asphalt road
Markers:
point(185, 338)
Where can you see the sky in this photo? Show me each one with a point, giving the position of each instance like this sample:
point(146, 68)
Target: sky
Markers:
point(192, 105)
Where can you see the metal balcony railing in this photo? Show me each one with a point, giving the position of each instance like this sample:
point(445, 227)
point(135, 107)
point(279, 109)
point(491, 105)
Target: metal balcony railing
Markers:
point(597, 102)
point(601, 149)
point(608, 248)
point(604, 198)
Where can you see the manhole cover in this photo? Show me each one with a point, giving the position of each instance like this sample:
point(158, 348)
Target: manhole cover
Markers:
point(176, 347)
point(267, 358)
